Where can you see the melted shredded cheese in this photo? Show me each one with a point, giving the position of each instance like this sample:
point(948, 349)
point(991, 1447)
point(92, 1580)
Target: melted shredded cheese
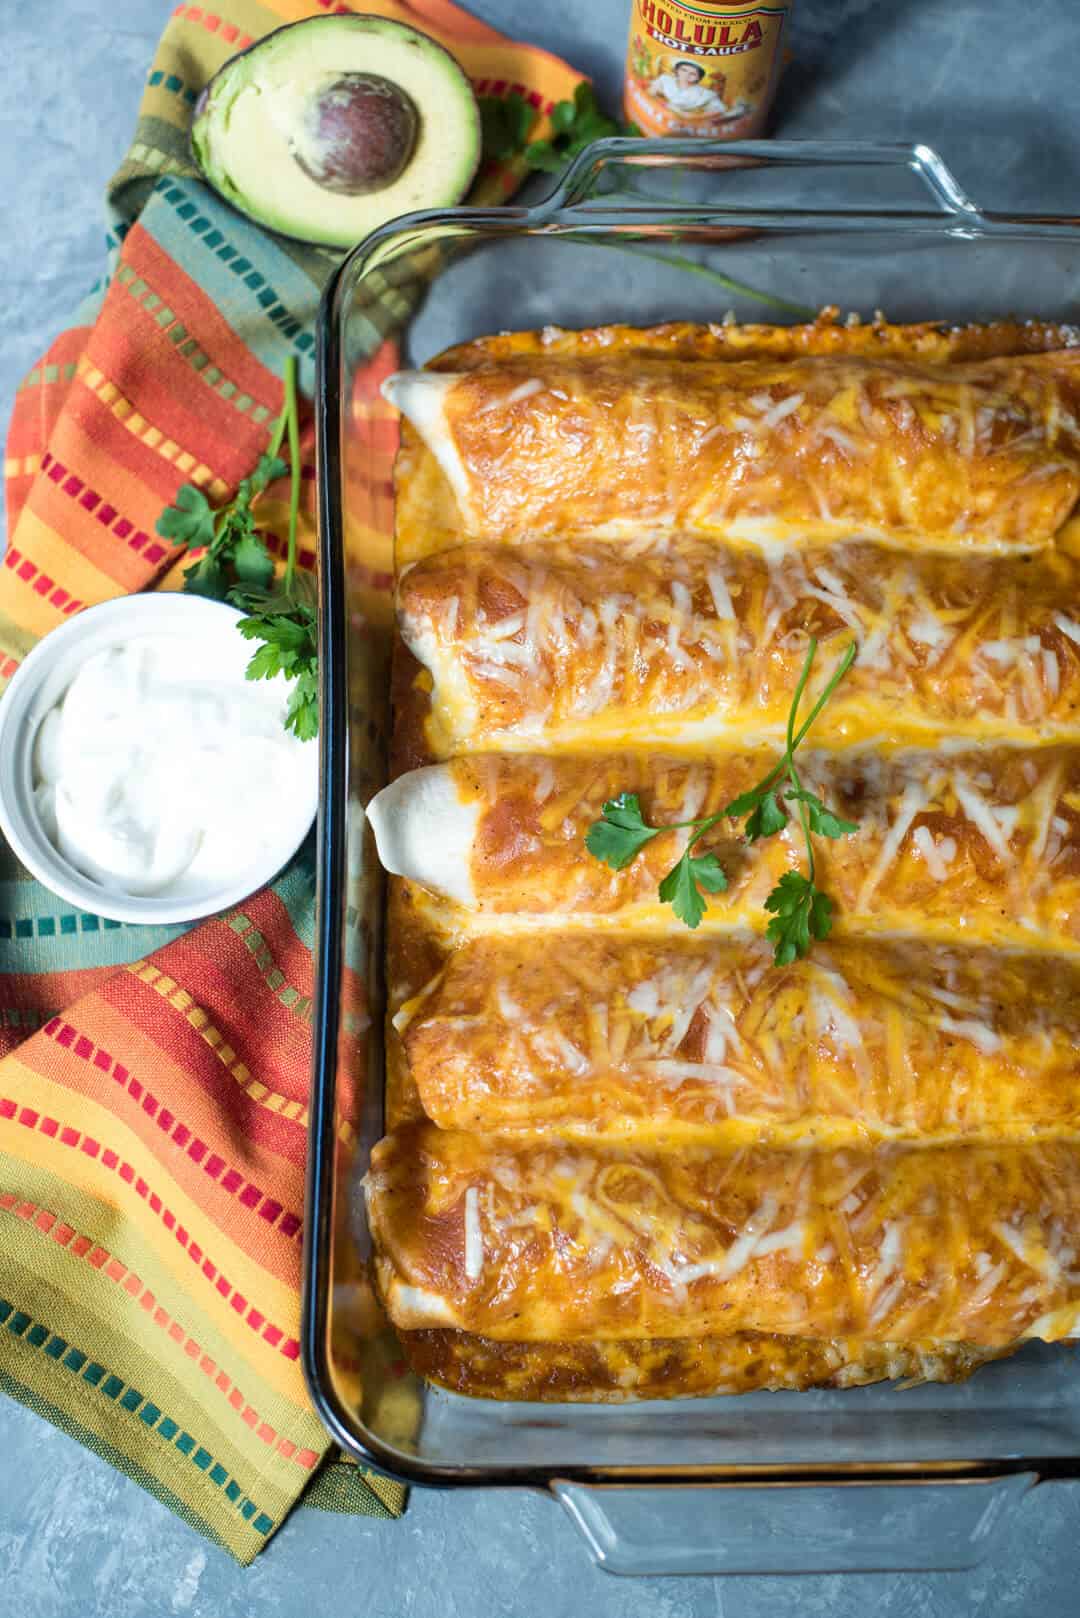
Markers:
point(603, 1071)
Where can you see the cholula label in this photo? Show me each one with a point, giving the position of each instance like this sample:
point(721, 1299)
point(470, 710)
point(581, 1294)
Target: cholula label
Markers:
point(707, 70)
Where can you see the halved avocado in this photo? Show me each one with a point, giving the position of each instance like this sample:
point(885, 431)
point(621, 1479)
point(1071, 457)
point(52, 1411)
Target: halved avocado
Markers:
point(326, 128)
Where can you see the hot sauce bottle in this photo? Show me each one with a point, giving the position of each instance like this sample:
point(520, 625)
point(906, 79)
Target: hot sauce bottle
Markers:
point(707, 69)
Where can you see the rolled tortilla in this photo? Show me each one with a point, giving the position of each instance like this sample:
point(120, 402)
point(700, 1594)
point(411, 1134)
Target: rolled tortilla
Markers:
point(929, 342)
point(556, 1242)
point(694, 647)
point(967, 456)
point(705, 1040)
point(620, 1201)
point(422, 822)
point(977, 846)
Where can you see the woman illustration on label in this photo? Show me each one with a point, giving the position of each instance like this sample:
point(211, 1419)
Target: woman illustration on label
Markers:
point(685, 92)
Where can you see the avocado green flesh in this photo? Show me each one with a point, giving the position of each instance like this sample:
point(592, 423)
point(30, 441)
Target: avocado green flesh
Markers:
point(255, 117)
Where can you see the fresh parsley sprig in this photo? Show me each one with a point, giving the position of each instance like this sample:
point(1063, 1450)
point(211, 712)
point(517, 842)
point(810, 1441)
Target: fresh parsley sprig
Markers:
point(228, 535)
point(574, 124)
point(682, 887)
point(622, 832)
point(800, 912)
point(287, 626)
point(236, 566)
point(506, 123)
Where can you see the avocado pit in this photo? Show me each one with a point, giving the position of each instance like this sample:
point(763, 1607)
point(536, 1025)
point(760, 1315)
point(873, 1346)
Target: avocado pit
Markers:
point(359, 132)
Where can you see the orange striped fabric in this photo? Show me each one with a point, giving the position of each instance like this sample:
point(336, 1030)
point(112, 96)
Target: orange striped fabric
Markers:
point(154, 1082)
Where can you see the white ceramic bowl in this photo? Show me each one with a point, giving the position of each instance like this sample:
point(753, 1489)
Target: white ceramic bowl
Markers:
point(38, 685)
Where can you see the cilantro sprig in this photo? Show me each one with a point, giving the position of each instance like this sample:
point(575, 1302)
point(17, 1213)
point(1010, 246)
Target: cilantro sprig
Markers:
point(236, 566)
point(800, 911)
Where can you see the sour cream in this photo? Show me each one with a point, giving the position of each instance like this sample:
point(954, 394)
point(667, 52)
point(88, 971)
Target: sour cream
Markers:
point(160, 770)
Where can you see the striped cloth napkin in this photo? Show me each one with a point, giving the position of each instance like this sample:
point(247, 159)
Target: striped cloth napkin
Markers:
point(154, 1081)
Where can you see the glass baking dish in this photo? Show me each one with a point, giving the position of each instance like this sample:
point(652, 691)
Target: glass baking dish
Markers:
point(879, 1477)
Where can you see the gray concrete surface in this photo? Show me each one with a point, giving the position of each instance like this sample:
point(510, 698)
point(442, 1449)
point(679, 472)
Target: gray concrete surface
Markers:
point(992, 85)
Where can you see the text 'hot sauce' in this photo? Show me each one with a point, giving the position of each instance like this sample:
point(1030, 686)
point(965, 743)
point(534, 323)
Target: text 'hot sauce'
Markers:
point(708, 69)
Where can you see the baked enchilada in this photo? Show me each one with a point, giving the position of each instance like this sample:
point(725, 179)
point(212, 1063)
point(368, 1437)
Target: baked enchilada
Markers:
point(645, 1146)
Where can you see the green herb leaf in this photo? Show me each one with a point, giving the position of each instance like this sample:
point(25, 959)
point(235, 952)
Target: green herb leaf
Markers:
point(621, 834)
point(766, 819)
point(207, 577)
point(272, 603)
point(574, 125)
point(800, 912)
point(823, 822)
point(189, 520)
point(237, 567)
point(265, 663)
point(745, 802)
point(302, 714)
point(541, 155)
point(562, 117)
point(708, 873)
point(252, 561)
point(289, 647)
point(588, 122)
point(289, 634)
point(505, 122)
point(681, 888)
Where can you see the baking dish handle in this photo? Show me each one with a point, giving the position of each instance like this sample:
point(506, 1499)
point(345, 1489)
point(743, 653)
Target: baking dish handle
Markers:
point(791, 1528)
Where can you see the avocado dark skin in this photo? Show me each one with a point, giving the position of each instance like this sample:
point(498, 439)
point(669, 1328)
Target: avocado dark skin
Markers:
point(361, 131)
